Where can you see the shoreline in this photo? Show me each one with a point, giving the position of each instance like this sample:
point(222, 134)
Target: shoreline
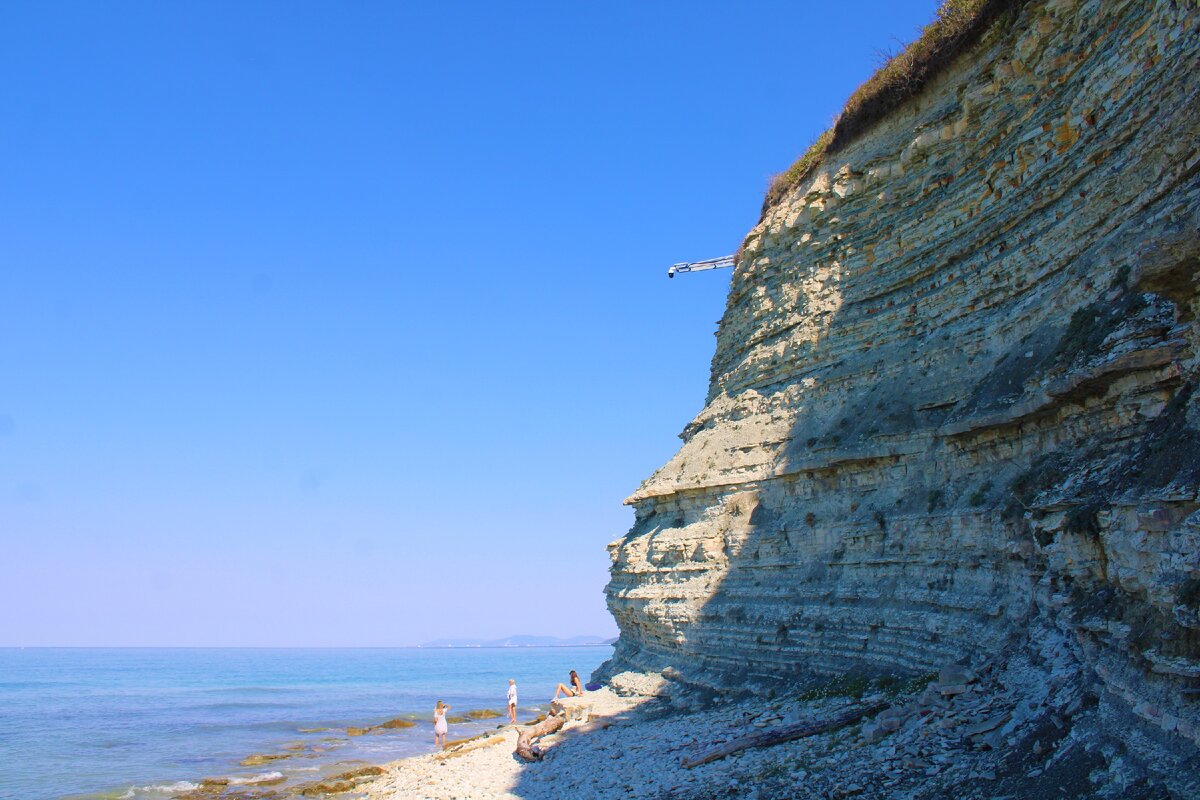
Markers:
point(1028, 726)
point(151, 724)
point(486, 766)
point(1024, 723)
point(1025, 726)
point(295, 766)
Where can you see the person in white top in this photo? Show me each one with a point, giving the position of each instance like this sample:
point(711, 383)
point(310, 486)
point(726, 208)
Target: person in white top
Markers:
point(439, 724)
point(512, 701)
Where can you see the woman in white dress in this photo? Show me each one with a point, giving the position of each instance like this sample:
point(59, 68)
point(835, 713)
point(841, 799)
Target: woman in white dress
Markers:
point(439, 724)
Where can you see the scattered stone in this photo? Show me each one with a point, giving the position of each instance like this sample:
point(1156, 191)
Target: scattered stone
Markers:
point(258, 759)
point(400, 722)
point(343, 782)
point(483, 713)
point(989, 724)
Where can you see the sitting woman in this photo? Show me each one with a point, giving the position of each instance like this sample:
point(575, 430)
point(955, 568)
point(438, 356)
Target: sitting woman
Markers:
point(574, 690)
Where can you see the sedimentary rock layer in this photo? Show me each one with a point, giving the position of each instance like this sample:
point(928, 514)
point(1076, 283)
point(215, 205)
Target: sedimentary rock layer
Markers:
point(954, 387)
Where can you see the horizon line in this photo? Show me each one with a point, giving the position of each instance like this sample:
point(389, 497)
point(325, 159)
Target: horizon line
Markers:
point(295, 646)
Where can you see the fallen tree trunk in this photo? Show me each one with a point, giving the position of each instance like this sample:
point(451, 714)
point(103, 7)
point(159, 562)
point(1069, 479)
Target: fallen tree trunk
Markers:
point(525, 746)
point(787, 733)
point(465, 746)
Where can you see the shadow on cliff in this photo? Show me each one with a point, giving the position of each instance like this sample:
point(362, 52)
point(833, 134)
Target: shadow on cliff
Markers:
point(1000, 435)
point(909, 525)
point(940, 481)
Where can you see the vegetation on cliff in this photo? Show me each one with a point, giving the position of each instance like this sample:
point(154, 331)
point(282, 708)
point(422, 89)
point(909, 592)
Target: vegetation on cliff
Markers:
point(959, 24)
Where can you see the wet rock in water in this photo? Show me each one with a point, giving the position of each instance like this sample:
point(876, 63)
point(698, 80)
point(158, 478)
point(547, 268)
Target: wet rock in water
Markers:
point(208, 788)
point(258, 759)
point(255, 794)
point(483, 713)
point(457, 719)
point(342, 782)
point(211, 788)
point(311, 730)
point(398, 722)
point(391, 724)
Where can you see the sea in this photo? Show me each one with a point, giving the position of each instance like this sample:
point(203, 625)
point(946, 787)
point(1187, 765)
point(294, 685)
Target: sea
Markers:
point(148, 724)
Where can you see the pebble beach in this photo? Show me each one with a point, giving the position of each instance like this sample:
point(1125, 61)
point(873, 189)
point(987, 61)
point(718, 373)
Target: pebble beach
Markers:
point(1022, 728)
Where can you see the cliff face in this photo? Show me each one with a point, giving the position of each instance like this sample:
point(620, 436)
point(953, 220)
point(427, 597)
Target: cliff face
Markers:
point(953, 397)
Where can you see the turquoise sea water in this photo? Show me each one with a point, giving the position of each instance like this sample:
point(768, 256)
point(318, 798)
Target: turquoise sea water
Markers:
point(147, 723)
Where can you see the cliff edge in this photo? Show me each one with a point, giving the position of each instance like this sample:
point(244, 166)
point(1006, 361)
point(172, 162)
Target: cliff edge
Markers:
point(953, 400)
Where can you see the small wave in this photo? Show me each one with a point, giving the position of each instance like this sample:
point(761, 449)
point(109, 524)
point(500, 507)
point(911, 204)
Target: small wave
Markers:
point(161, 788)
point(266, 776)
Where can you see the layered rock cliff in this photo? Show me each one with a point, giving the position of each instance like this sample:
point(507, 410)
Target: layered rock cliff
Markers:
point(954, 392)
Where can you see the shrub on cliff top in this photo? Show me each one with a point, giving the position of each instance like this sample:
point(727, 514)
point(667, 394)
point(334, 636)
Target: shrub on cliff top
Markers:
point(958, 26)
point(798, 171)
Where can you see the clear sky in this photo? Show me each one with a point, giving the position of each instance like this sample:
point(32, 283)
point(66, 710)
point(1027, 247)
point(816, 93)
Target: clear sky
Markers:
point(348, 323)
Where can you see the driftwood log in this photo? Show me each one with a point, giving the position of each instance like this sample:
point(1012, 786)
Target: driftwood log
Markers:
point(464, 746)
point(526, 749)
point(787, 733)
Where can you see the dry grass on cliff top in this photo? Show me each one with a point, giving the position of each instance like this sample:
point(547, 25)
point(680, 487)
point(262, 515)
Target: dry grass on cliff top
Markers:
point(958, 26)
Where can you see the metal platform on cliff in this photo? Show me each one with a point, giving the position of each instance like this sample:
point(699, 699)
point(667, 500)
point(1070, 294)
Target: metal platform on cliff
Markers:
point(697, 266)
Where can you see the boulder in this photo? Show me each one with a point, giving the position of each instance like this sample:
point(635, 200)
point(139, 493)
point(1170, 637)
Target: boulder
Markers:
point(989, 724)
point(258, 759)
point(955, 675)
point(398, 722)
point(483, 713)
point(337, 784)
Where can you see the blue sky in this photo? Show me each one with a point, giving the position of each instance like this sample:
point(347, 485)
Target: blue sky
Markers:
point(348, 324)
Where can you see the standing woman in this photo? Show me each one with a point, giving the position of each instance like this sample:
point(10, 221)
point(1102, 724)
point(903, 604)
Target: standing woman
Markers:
point(512, 701)
point(439, 724)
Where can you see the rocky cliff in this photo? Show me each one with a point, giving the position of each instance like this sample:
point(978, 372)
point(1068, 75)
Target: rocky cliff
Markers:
point(954, 398)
